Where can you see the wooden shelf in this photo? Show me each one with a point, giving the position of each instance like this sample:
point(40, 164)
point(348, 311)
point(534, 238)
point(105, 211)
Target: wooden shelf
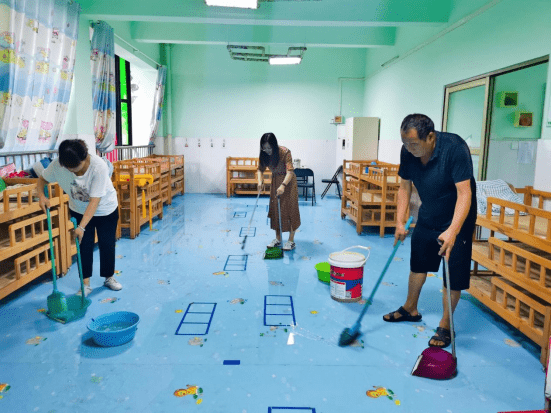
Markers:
point(370, 193)
point(24, 240)
point(517, 284)
point(241, 176)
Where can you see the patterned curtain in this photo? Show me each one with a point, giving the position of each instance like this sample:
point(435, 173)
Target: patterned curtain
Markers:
point(158, 103)
point(37, 58)
point(104, 96)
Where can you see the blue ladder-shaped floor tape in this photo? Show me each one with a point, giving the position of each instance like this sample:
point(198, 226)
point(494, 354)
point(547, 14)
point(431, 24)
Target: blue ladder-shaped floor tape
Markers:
point(241, 214)
point(236, 263)
point(250, 233)
point(291, 409)
point(198, 315)
point(279, 310)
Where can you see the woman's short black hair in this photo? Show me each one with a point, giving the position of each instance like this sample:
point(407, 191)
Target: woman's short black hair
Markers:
point(72, 152)
point(265, 159)
point(421, 123)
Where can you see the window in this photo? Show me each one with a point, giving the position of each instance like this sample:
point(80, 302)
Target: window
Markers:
point(124, 102)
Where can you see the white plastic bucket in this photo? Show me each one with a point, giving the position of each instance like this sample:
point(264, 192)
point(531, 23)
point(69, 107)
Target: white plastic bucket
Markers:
point(346, 277)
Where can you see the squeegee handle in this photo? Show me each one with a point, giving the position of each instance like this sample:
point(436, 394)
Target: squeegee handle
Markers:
point(410, 220)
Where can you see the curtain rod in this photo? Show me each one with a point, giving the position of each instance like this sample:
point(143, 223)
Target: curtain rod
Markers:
point(137, 50)
point(129, 44)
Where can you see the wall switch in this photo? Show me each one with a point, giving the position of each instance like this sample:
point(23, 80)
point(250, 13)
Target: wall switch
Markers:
point(514, 145)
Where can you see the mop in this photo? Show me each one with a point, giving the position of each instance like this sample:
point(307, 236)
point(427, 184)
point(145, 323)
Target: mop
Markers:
point(349, 335)
point(275, 252)
point(435, 362)
point(251, 220)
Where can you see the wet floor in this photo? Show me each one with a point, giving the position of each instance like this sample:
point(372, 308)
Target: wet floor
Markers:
point(222, 330)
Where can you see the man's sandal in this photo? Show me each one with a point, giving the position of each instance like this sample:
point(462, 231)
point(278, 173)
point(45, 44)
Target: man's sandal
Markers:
point(404, 316)
point(442, 335)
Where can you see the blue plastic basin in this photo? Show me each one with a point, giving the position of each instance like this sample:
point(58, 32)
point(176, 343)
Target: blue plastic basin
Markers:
point(113, 329)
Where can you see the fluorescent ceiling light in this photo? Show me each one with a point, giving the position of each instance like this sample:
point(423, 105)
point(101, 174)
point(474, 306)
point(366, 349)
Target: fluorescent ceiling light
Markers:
point(244, 4)
point(285, 60)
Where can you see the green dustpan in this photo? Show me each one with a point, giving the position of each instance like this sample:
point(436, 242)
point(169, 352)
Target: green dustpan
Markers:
point(76, 305)
point(57, 302)
point(76, 309)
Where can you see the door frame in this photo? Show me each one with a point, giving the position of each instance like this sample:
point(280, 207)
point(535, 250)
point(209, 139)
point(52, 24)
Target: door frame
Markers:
point(487, 79)
point(482, 151)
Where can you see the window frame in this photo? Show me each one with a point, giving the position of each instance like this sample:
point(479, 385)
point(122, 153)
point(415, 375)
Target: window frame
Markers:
point(120, 101)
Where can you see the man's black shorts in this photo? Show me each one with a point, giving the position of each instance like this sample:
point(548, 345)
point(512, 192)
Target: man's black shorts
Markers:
point(425, 258)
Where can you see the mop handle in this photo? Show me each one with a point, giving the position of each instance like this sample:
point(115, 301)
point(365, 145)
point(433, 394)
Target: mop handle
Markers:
point(410, 220)
point(254, 209)
point(279, 212)
point(447, 271)
point(74, 221)
point(51, 239)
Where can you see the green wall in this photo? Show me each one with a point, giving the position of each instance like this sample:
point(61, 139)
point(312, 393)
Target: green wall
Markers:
point(488, 42)
point(217, 97)
point(530, 83)
point(80, 115)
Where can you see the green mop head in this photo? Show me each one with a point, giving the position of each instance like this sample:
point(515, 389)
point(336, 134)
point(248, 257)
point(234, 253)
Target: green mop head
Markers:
point(273, 253)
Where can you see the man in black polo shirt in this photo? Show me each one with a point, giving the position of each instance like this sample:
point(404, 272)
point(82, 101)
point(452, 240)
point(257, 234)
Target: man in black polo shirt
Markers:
point(439, 164)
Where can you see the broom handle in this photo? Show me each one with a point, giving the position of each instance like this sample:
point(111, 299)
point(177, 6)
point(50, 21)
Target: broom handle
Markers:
point(51, 239)
point(254, 209)
point(410, 220)
point(279, 212)
point(74, 221)
point(447, 271)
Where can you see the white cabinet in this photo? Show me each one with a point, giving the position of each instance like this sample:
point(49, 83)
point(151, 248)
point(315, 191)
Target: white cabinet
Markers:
point(358, 139)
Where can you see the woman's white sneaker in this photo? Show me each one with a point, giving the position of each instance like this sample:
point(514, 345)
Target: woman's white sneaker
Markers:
point(289, 245)
point(112, 283)
point(274, 243)
point(87, 291)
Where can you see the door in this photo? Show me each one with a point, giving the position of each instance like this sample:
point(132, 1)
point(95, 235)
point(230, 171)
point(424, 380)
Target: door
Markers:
point(465, 114)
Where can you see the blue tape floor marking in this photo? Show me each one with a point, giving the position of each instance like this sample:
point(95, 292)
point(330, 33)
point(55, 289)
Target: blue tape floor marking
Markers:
point(313, 410)
point(251, 233)
point(232, 362)
point(196, 323)
point(279, 314)
point(242, 214)
point(236, 263)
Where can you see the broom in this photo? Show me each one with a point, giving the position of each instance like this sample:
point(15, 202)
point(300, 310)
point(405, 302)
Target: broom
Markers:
point(349, 335)
point(275, 252)
point(252, 215)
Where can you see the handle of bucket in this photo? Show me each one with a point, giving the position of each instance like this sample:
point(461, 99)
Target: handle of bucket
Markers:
point(358, 247)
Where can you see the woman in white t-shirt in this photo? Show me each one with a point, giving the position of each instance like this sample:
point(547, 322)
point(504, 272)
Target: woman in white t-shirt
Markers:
point(92, 202)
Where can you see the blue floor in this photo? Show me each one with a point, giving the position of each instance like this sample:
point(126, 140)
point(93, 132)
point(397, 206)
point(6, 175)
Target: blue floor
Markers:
point(203, 344)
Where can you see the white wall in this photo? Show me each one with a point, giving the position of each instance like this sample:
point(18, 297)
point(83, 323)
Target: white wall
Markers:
point(205, 166)
point(499, 37)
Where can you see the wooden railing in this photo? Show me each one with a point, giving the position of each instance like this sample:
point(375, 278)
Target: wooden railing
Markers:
point(25, 160)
